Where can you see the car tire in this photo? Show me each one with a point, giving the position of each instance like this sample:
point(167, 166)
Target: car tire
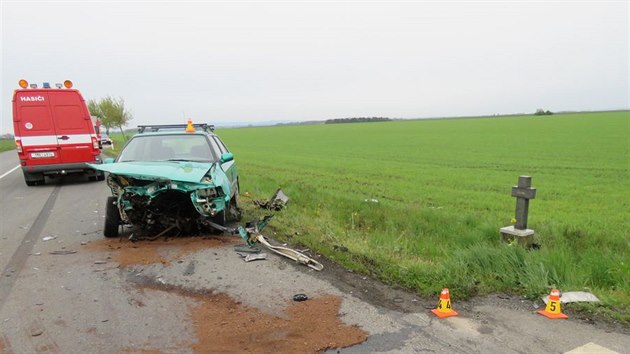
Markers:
point(235, 213)
point(220, 218)
point(100, 176)
point(112, 218)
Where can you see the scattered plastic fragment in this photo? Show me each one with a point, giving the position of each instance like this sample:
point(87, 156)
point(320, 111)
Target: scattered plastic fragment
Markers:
point(48, 238)
point(300, 297)
point(100, 262)
point(277, 202)
point(574, 296)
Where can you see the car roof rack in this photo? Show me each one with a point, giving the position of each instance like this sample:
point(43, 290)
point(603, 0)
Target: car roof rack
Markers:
point(208, 128)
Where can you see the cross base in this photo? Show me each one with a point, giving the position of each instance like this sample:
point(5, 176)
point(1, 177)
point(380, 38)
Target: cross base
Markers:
point(523, 237)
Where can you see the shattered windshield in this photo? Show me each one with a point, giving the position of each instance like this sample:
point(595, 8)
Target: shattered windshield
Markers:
point(168, 148)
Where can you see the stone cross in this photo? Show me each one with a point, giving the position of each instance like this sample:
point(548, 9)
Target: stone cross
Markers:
point(523, 193)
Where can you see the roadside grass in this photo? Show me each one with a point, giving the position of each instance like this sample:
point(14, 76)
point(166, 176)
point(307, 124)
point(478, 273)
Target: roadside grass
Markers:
point(118, 141)
point(420, 203)
point(7, 144)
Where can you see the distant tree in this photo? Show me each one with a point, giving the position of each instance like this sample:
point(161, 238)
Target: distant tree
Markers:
point(95, 108)
point(542, 112)
point(112, 113)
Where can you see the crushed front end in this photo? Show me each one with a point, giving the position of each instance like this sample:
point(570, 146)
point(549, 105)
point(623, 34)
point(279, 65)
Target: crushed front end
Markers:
point(155, 203)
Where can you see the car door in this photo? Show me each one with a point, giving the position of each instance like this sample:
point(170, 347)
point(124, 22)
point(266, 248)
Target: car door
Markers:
point(73, 127)
point(34, 127)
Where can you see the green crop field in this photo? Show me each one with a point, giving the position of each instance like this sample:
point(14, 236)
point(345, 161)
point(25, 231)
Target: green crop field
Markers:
point(420, 203)
point(6, 145)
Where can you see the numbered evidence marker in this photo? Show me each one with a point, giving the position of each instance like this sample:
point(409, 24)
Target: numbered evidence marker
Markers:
point(553, 306)
point(444, 308)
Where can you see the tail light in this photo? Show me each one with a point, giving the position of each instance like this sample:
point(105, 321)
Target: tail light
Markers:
point(18, 145)
point(94, 143)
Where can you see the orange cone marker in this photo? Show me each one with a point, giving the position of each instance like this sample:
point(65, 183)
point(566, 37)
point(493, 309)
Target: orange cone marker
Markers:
point(189, 127)
point(553, 306)
point(444, 308)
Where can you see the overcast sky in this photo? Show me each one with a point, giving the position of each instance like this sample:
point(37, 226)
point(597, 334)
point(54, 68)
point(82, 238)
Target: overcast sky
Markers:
point(259, 61)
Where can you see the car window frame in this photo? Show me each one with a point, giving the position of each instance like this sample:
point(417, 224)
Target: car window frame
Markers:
point(221, 144)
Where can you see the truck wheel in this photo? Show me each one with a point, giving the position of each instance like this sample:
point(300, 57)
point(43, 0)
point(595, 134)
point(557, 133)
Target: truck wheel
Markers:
point(112, 218)
point(33, 179)
point(100, 176)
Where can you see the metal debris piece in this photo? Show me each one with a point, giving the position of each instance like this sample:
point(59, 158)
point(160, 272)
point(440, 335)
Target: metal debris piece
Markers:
point(251, 234)
point(62, 252)
point(277, 202)
point(300, 297)
point(253, 257)
point(574, 296)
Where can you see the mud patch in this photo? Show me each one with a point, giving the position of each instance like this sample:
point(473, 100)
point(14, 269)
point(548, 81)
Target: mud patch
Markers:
point(3, 347)
point(127, 253)
point(224, 325)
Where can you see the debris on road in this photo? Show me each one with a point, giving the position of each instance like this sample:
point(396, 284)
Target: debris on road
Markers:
point(62, 252)
point(100, 262)
point(253, 256)
point(36, 332)
point(277, 202)
point(574, 296)
point(48, 238)
point(300, 297)
point(251, 234)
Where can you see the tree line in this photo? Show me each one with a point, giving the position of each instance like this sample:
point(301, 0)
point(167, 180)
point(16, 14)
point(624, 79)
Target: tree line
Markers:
point(356, 120)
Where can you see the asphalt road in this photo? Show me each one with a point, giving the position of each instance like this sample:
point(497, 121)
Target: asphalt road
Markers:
point(84, 301)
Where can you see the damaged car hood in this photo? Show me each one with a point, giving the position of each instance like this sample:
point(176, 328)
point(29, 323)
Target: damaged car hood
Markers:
point(187, 171)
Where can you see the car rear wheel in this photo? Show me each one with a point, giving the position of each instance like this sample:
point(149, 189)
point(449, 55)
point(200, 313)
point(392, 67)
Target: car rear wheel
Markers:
point(112, 218)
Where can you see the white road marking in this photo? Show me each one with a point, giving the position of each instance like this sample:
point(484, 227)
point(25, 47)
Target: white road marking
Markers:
point(6, 173)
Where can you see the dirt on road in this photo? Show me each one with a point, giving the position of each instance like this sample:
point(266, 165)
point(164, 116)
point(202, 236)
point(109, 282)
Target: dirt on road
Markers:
point(225, 325)
point(163, 251)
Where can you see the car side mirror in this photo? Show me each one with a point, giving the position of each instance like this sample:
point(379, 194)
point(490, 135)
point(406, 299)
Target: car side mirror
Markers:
point(109, 160)
point(227, 156)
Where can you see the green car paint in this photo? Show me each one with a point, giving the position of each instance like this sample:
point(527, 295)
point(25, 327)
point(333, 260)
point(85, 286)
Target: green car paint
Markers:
point(159, 181)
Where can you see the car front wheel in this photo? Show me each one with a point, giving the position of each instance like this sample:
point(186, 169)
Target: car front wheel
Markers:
point(112, 218)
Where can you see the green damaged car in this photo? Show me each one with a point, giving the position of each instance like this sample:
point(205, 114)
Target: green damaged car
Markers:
point(175, 179)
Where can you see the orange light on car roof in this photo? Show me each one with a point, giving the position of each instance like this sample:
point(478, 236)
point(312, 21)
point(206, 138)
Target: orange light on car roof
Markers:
point(67, 84)
point(189, 127)
point(23, 83)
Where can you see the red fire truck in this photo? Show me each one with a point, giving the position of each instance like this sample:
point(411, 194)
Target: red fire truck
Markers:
point(54, 132)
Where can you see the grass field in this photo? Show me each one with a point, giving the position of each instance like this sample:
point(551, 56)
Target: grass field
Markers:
point(6, 145)
point(420, 203)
